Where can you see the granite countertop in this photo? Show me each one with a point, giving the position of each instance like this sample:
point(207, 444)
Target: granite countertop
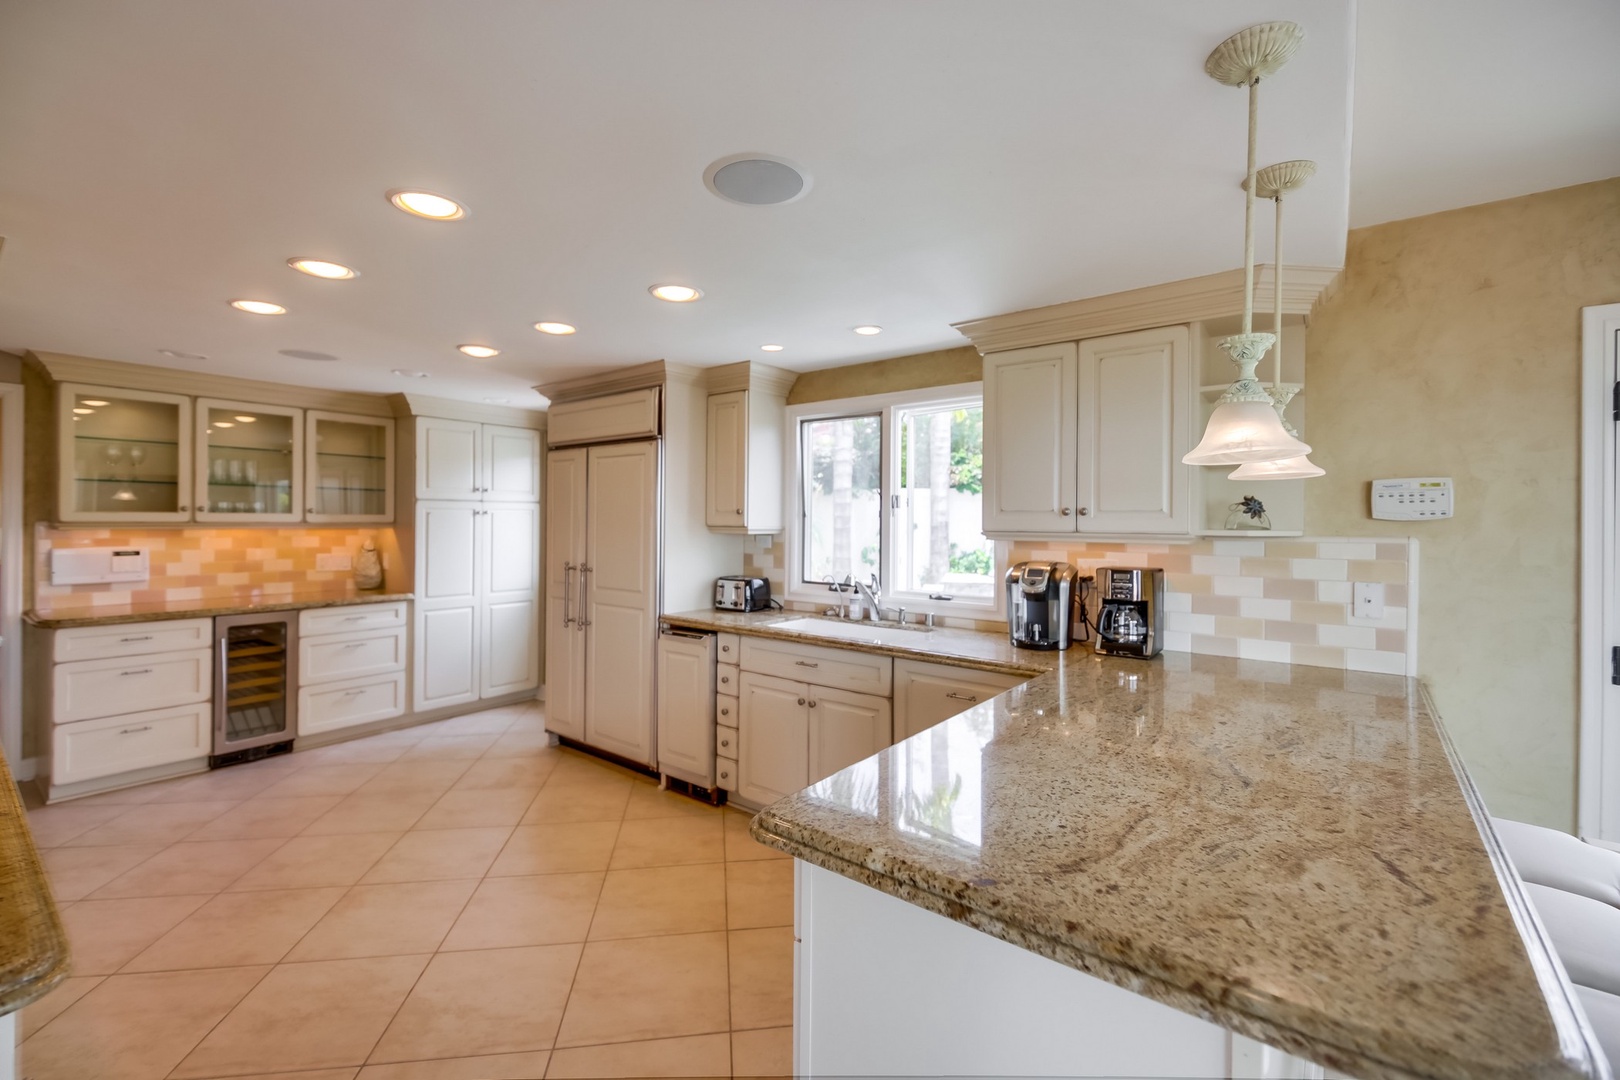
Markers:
point(245, 601)
point(1294, 853)
point(33, 945)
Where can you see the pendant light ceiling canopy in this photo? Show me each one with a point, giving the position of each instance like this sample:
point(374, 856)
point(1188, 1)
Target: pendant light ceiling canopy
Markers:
point(1245, 426)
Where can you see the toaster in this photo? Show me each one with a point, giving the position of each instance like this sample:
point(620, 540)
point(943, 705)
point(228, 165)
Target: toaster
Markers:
point(742, 593)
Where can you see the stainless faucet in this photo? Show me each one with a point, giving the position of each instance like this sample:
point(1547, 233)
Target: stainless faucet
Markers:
point(871, 595)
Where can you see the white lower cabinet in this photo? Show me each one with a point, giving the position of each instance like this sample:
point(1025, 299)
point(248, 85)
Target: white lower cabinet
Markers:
point(793, 734)
point(350, 676)
point(686, 731)
point(925, 694)
point(92, 749)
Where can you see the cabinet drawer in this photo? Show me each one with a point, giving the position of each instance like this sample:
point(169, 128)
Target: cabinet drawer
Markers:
point(725, 709)
point(725, 678)
point(87, 689)
point(131, 639)
point(725, 773)
point(926, 694)
point(94, 748)
point(725, 741)
point(728, 648)
point(341, 620)
point(350, 702)
point(837, 668)
point(350, 656)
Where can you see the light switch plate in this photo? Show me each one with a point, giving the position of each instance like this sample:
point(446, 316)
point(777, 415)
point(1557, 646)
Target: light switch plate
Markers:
point(1369, 600)
point(1415, 498)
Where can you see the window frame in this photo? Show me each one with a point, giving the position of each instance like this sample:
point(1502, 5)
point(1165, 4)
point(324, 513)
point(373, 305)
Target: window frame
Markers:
point(886, 407)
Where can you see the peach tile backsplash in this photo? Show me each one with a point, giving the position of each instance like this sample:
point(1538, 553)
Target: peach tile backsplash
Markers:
point(1254, 598)
point(199, 564)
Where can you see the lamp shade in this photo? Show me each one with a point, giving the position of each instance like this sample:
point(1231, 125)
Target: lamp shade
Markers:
point(1240, 432)
point(1297, 468)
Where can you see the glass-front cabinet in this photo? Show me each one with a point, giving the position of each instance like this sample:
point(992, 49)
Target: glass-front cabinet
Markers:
point(125, 455)
point(249, 462)
point(350, 468)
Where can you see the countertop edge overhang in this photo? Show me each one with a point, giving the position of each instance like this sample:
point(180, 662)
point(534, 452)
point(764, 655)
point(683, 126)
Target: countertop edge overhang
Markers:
point(1314, 1034)
point(210, 608)
point(33, 944)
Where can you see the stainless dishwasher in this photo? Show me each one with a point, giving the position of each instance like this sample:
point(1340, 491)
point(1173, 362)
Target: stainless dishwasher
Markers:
point(255, 686)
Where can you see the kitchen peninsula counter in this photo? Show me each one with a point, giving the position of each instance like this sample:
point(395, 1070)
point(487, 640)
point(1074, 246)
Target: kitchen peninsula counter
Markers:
point(1293, 853)
point(246, 601)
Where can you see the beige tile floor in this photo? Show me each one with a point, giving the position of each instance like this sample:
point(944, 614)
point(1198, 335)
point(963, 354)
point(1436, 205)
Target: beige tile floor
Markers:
point(455, 901)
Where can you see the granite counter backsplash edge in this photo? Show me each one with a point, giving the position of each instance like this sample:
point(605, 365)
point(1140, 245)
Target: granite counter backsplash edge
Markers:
point(209, 609)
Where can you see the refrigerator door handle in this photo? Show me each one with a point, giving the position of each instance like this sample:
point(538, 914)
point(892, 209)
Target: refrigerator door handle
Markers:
point(582, 621)
point(568, 579)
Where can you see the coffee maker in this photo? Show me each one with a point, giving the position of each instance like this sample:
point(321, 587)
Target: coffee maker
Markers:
point(1130, 613)
point(1040, 599)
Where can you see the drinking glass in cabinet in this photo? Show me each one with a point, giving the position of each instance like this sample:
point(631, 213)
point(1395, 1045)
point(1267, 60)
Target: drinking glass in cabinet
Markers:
point(250, 459)
point(351, 462)
point(125, 455)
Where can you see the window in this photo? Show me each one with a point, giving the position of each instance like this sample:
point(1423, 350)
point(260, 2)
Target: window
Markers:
point(890, 488)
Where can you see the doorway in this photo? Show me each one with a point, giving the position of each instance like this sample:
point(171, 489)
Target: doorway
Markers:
point(11, 577)
point(1598, 801)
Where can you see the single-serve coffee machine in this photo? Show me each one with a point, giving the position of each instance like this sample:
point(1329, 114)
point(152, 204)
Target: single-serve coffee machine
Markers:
point(1040, 602)
point(1129, 613)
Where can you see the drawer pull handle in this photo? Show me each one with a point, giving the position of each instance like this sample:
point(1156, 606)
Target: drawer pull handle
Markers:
point(137, 671)
point(725, 648)
point(354, 618)
point(805, 663)
point(356, 644)
point(725, 678)
point(134, 730)
point(141, 637)
point(954, 696)
point(352, 693)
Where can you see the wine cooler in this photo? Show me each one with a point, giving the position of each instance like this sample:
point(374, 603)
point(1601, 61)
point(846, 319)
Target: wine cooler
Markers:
point(255, 687)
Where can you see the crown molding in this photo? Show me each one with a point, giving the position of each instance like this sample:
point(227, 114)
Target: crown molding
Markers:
point(407, 405)
point(640, 377)
point(61, 367)
point(749, 375)
point(1191, 300)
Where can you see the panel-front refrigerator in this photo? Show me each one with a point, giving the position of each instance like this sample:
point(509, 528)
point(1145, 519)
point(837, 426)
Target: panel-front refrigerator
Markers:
point(255, 686)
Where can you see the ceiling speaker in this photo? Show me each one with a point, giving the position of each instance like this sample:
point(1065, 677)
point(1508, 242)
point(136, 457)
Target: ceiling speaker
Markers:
point(756, 180)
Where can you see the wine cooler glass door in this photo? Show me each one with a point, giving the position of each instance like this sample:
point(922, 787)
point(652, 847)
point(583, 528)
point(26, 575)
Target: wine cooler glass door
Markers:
point(253, 694)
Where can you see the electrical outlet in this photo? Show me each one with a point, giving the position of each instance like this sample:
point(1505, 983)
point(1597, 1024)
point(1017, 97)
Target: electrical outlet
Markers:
point(340, 560)
point(1369, 600)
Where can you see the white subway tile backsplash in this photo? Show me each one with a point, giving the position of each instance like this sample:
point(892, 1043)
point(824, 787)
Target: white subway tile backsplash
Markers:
point(1344, 549)
point(1321, 569)
point(1190, 623)
point(1242, 547)
point(1177, 601)
point(1216, 565)
point(1384, 663)
point(1335, 592)
point(1238, 586)
point(1256, 608)
point(1177, 641)
point(1348, 637)
point(1276, 651)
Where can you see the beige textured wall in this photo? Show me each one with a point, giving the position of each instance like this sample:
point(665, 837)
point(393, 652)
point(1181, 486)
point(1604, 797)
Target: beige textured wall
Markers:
point(1451, 347)
point(945, 368)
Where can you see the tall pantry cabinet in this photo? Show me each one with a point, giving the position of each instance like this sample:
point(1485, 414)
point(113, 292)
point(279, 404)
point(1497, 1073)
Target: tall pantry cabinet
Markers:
point(625, 541)
point(476, 554)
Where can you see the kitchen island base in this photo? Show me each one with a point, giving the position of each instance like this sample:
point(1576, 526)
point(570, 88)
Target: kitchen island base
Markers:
point(885, 988)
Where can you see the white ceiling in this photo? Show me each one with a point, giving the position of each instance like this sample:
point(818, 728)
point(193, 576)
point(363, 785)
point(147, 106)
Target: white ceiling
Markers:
point(970, 157)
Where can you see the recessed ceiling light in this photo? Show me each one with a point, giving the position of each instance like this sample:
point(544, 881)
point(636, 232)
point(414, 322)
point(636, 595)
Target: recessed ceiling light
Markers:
point(176, 354)
point(84, 412)
point(482, 352)
point(560, 329)
point(306, 354)
point(425, 204)
point(87, 401)
point(247, 419)
point(320, 268)
point(410, 374)
point(676, 294)
point(772, 348)
point(258, 307)
point(223, 423)
point(869, 330)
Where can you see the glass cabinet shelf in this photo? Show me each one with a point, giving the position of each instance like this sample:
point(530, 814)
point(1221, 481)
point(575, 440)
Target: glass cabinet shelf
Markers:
point(249, 462)
point(123, 454)
point(351, 463)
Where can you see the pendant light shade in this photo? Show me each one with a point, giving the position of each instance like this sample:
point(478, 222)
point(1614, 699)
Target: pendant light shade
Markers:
point(1299, 468)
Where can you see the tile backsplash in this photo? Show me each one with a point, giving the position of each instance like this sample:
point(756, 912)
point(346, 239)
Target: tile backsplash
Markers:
point(201, 564)
point(1287, 600)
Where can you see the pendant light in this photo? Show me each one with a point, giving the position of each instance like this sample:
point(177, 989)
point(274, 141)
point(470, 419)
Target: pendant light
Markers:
point(1244, 426)
point(1273, 182)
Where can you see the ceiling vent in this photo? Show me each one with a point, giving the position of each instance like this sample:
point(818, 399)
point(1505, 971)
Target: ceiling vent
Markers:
point(756, 180)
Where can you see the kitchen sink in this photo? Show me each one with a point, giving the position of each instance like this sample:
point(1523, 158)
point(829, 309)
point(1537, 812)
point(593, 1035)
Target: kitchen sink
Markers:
point(849, 630)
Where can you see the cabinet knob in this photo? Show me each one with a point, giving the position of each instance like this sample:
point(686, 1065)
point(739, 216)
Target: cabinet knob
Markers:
point(812, 704)
point(725, 712)
point(185, 508)
point(1066, 511)
point(725, 648)
point(309, 510)
point(739, 512)
point(801, 701)
point(1084, 511)
point(725, 742)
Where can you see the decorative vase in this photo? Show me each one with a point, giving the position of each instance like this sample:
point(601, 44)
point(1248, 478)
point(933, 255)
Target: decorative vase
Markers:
point(1249, 514)
point(368, 567)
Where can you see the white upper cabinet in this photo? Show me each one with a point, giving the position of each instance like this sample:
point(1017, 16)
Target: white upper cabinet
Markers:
point(447, 459)
point(124, 455)
point(349, 468)
point(743, 450)
point(250, 462)
point(511, 463)
point(727, 481)
point(1087, 439)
